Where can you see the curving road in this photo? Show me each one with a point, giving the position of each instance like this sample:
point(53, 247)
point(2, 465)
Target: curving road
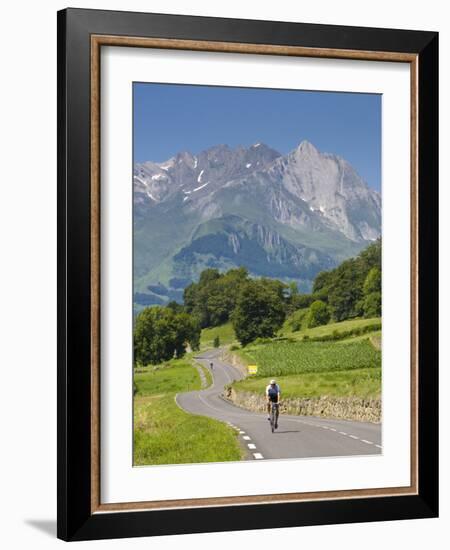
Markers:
point(296, 437)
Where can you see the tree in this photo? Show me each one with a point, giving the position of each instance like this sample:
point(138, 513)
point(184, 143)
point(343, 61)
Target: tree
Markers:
point(296, 320)
point(346, 287)
point(213, 298)
point(371, 256)
point(300, 301)
point(372, 304)
point(322, 281)
point(319, 314)
point(259, 311)
point(216, 342)
point(160, 333)
point(175, 306)
point(186, 330)
point(153, 338)
point(373, 281)
point(345, 291)
point(293, 289)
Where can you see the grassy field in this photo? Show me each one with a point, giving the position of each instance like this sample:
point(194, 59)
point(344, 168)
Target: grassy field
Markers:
point(364, 383)
point(323, 330)
point(224, 332)
point(164, 433)
point(173, 377)
point(227, 336)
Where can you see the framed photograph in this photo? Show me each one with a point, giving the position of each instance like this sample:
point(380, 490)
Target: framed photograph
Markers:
point(247, 254)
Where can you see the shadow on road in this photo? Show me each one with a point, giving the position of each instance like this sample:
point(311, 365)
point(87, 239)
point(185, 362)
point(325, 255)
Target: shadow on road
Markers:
point(286, 431)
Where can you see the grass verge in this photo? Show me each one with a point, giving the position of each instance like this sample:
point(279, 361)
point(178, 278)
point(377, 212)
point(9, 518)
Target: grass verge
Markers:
point(363, 383)
point(164, 433)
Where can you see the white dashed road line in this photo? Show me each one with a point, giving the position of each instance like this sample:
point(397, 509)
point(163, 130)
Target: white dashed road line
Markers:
point(344, 433)
point(251, 446)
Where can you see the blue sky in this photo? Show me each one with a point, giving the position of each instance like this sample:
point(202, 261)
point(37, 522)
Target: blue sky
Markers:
point(169, 118)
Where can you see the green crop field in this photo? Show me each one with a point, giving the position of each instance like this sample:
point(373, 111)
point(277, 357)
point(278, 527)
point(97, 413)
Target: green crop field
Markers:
point(163, 432)
point(349, 367)
point(284, 358)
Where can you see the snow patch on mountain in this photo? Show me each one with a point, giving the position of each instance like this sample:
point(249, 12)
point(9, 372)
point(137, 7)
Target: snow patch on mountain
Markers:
point(305, 190)
point(201, 187)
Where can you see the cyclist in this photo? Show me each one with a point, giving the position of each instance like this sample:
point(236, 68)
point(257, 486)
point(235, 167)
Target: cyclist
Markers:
point(273, 394)
point(211, 365)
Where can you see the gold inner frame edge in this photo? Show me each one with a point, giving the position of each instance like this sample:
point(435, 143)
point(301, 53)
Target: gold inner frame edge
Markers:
point(97, 41)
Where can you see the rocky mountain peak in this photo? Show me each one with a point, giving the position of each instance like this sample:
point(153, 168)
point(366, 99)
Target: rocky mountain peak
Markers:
point(287, 216)
point(307, 148)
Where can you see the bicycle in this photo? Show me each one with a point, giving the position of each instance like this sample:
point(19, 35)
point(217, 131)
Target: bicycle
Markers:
point(274, 413)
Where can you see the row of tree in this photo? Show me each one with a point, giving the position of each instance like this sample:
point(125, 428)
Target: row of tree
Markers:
point(215, 297)
point(257, 307)
point(353, 289)
point(160, 333)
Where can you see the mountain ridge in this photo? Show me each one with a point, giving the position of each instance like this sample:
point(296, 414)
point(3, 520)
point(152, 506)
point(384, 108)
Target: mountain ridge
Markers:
point(313, 204)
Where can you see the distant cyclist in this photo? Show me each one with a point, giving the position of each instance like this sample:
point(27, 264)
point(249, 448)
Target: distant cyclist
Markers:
point(211, 365)
point(273, 394)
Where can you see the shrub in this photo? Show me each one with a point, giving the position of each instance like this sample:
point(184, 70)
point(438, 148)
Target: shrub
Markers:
point(297, 319)
point(319, 314)
point(216, 342)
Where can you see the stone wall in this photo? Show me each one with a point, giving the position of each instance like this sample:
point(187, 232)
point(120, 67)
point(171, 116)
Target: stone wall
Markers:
point(348, 408)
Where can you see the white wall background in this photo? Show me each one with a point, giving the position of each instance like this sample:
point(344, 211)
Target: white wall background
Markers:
point(28, 271)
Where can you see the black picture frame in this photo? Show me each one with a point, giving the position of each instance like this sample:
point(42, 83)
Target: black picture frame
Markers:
point(76, 521)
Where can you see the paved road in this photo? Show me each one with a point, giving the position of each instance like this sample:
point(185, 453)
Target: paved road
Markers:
point(296, 437)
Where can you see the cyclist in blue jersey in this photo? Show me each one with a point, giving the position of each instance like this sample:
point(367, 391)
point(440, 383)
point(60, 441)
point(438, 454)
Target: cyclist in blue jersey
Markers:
point(273, 394)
